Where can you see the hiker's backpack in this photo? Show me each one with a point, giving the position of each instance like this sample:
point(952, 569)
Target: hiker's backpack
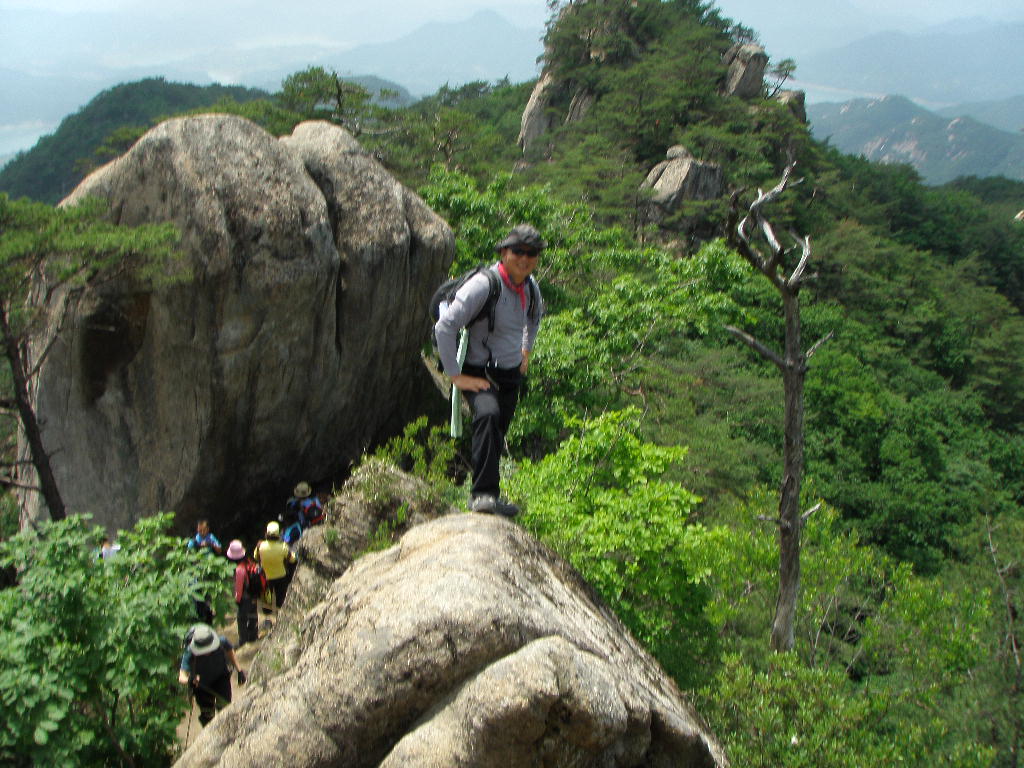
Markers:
point(210, 667)
point(292, 534)
point(445, 295)
point(255, 579)
point(311, 511)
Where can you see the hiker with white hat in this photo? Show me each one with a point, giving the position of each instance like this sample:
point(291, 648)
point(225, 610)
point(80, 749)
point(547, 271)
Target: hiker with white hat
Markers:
point(206, 666)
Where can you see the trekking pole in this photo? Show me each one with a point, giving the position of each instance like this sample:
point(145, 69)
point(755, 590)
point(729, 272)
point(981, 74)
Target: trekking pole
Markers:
point(188, 729)
point(455, 427)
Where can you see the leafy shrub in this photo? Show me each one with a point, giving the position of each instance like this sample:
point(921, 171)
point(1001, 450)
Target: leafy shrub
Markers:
point(89, 647)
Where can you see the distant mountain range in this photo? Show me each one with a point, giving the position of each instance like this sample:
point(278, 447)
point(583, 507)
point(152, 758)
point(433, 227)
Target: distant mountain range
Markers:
point(1005, 114)
point(483, 47)
point(895, 130)
point(942, 67)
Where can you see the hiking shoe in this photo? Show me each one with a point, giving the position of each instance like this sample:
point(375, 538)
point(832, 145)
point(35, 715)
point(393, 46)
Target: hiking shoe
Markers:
point(506, 508)
point(483, 503)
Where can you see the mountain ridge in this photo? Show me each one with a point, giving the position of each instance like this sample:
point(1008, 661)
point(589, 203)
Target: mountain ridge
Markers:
point(895, 130)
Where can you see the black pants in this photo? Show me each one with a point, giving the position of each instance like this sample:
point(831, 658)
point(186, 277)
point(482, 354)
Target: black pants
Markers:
point(280, 588)
point(212, 696)
point(493, 410)
point(248, 621)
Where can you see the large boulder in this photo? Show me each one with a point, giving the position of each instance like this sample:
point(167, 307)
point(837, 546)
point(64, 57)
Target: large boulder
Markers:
point(291, 346)
point(676, 179)
point(468, 643)
point(746, 64)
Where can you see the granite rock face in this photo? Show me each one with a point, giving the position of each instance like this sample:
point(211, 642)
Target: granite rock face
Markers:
point(677, 178)
point(467, 643)
point(292, 343)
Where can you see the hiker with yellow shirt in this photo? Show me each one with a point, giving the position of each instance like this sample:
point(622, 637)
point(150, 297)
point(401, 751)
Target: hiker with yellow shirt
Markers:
point(273, 555)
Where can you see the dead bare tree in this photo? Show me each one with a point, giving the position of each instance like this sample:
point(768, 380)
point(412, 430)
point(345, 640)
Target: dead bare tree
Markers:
point(793, 365)
point(1010, 650)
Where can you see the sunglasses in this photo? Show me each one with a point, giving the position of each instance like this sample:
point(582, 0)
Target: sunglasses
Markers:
point(519, 250)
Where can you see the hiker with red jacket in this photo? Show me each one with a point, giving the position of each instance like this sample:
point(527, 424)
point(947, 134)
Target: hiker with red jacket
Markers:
point(246, 593)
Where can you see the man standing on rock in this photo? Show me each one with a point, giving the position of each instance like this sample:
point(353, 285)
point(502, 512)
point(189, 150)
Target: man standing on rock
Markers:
point(497, 355)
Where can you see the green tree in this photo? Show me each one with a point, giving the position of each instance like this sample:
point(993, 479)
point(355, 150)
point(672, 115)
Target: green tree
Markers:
point(89, 647)
point(318, 93)
point(601, 501)
point(884, 662)
point(63, 246)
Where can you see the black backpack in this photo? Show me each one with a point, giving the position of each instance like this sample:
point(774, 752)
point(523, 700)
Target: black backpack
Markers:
point(445, 295)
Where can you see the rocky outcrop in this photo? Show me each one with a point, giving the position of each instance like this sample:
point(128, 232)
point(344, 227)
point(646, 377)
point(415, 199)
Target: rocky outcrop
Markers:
point(292, 345)
point(745, 77)
point(677, 178)
point(467, 643)
point(795, 101)
point(537, 120)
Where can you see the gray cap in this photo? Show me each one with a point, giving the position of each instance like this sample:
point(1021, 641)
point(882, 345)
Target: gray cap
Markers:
point(522, 234)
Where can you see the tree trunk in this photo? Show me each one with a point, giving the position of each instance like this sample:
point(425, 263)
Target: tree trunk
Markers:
point(792, 363)
point(790, 523)
point(40, 458)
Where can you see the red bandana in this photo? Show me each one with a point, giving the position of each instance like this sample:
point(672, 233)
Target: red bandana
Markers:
point(519, 289)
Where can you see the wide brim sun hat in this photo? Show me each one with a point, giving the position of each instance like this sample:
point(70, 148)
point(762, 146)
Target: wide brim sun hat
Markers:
point(204, 640)
point(236, 551)
point(302, 490)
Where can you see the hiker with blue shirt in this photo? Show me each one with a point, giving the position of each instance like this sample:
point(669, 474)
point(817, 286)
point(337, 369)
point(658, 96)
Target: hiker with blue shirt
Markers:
point(497, 355)
point(302, 511)
point(204, 541)
point(206, 666)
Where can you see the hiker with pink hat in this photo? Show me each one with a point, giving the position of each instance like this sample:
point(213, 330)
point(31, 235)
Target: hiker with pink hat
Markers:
point(249, 586)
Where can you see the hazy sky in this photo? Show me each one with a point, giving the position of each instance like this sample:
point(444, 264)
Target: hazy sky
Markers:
point(90, 38)
point(156, 29)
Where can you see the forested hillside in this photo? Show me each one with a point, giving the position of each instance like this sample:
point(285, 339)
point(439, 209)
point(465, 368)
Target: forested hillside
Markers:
point(648, 448)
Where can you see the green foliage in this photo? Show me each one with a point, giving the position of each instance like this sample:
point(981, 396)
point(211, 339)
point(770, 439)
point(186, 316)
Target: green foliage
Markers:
point(8, 516)
point(74, 244)
point(266, 113)
point(89, 647)
point(600, 502)
point(879, 652)
point(426, 453)
point(794, 716)
point(384, 534)
point(471, 129)
point(318, 93)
